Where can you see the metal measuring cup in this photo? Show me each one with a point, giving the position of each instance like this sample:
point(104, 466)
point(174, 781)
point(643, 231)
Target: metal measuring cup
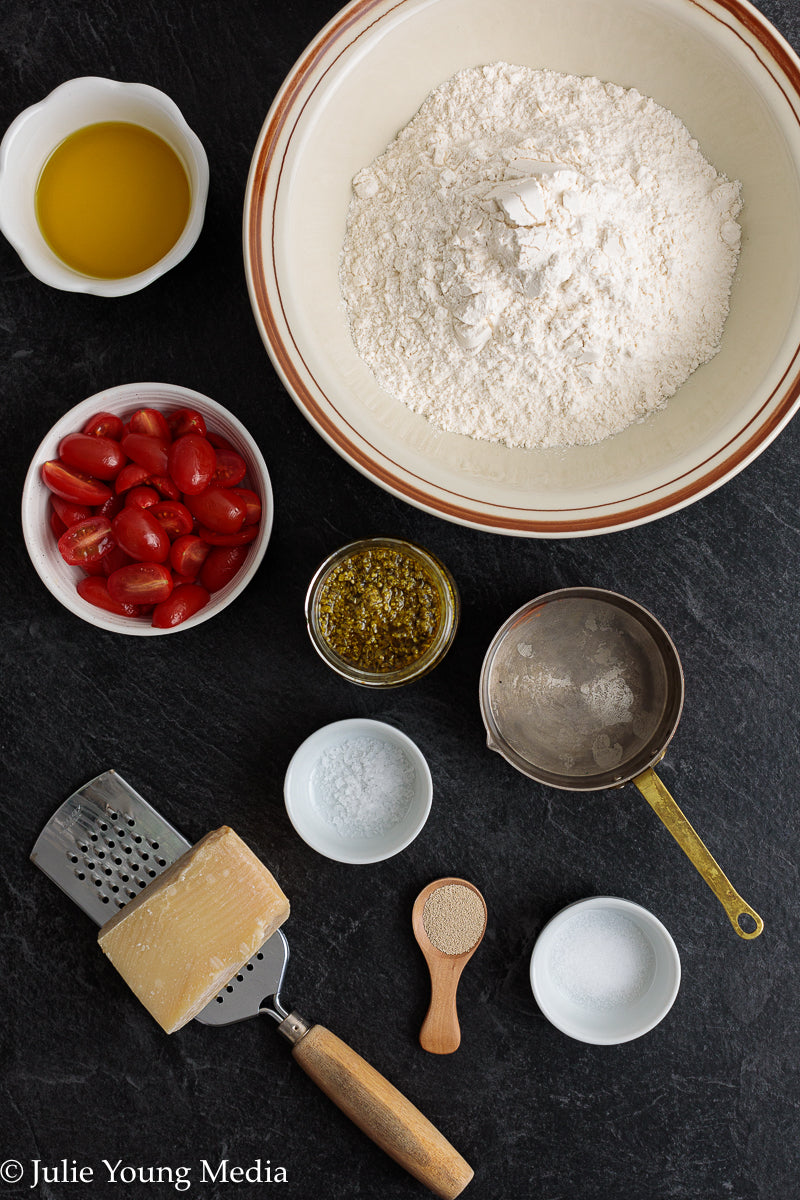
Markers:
point(582, 689)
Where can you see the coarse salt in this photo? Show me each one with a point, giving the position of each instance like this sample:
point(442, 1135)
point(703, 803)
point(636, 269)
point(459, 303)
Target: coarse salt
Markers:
point(601, 959)
point(363, 787)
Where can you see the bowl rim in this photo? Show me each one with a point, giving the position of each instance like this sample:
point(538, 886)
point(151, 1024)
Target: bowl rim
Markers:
point(666, 951)
point(33, 486)
point(266, 171)
point(296, 805)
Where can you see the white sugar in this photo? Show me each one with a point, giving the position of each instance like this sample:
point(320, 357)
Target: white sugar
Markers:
point(601, 959)
point(363, 786)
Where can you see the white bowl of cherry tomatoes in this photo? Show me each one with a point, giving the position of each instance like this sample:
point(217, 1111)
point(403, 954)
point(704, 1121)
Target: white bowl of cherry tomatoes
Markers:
point(147, 509)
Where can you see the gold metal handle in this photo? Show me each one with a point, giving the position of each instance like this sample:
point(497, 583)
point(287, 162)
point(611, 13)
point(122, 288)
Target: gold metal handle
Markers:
point(665, 808)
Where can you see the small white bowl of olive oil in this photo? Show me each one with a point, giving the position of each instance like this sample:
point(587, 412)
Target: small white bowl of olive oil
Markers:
point(103, 186)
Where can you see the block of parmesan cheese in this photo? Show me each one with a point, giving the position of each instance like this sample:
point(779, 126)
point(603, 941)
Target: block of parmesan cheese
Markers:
point(189, 932)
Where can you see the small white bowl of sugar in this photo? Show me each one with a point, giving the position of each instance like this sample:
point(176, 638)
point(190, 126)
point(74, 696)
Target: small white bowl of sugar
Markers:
point(605, 970)
point(358, 791)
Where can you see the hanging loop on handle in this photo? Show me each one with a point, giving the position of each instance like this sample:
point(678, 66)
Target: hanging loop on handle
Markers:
point(743, 918)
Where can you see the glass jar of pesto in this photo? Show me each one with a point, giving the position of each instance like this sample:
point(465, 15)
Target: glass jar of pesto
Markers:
point(382, 611)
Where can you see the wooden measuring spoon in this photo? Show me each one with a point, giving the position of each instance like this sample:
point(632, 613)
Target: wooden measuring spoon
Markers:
point(441, 1032)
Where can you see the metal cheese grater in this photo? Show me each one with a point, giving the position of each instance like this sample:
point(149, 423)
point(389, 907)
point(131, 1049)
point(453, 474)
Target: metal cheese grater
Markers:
point(105, 843)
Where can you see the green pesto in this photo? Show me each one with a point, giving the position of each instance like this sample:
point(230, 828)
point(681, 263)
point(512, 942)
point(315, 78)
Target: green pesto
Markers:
point(379, 609)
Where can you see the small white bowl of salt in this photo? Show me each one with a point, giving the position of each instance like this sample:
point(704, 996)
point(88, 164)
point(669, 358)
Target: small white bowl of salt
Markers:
point(605, 970)
point(358, 791)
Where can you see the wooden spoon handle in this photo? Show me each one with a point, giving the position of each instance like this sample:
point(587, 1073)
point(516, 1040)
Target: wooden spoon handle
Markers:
point(383, 1113)
point(440, 1032)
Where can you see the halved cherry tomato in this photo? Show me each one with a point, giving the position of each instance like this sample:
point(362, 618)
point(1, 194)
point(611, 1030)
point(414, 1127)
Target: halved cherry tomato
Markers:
point(115, 559)
point(140, 583)
point(230, 469)
point(241, 537)
point(151, 422)
point(218, 441)
point(105, 424)
point(73, 485)
point(131, 476)
point(109, 508)
point(139, 534)
point(149, 452)
point(173, 517)
point(57, 525)
point(166, 487)
point(221, 565)
point(184, 602)
point(186, 420)
point(101, 457)
point(183, 491)
point(71, 513)
point(96, 592)
point(217, 508)
point(192, 461)
point(187, 554)
point(252, 505)
point(98, 568)
point(86, 541)
point(141, 497)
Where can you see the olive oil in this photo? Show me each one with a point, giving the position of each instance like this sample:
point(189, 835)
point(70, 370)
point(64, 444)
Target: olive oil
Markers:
point(112, 199)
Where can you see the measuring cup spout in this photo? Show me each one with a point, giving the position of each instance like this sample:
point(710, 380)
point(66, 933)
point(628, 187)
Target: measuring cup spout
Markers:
point(665, 808)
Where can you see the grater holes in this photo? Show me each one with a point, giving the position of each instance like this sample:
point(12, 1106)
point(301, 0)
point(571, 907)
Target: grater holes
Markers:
point(249, 967)
point(260, 956)
point(105, 899)
point(100, 853)
point(121, 833)
point(240, 978)
point(128, 849)
point(113, 816)
point(107, 871)
point(134, 866)
point(130, 893)
point(118, 861)
point(142, 882)
point(137, 838)
point(144, 857)
point(162, 862)
point(220, 999)
point(110, 843)
point(153, 845)
point(125, 878)
point(73, 858)
point(229, 988)
point(151, 872)
point(114, 888)
point(101, 825)
point(92, 837)
point(130, 822)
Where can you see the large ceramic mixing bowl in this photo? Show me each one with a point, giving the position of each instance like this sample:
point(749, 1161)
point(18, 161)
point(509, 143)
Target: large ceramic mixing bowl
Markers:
point(717, 64)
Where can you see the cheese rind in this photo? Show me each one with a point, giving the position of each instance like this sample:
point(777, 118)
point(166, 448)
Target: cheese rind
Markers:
point(189, 932)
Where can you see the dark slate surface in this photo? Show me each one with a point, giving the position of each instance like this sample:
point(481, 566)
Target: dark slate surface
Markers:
point(704, 1107)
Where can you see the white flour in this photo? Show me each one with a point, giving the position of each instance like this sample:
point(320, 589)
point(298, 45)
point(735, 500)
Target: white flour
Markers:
point(538, 259)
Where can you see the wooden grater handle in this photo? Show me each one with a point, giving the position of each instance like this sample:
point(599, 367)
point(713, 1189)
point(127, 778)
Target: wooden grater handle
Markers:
point(383, 1113)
